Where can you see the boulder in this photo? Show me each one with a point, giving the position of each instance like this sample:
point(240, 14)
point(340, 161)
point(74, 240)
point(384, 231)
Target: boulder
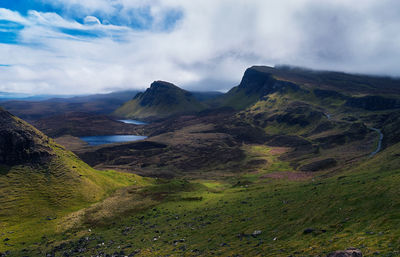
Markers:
point(350, 252)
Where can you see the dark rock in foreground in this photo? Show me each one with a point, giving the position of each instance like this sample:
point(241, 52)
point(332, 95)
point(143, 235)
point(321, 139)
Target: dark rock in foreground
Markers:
point(351, 252)
point(20, 143)
point(319, 165)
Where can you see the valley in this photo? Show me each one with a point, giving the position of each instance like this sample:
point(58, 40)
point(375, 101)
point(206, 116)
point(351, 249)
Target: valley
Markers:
point(290, 162)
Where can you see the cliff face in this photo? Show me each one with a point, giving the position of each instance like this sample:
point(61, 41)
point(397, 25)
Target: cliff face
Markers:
point(20, 143)
point(257, 82)
point(260, 80)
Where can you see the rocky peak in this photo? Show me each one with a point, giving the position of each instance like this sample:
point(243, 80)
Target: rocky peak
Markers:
point(260, 80)
point(161, 92)
point(159, 84)
point(21, 143)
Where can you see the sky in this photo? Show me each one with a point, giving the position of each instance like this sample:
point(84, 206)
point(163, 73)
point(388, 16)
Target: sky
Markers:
point(99, 46)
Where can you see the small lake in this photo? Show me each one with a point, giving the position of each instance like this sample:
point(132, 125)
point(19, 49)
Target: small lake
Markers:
point(136, 122)
point(102, 140)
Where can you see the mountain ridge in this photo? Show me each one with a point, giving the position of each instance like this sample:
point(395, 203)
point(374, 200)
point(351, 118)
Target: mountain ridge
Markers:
point(360, 91)
point(160, 100)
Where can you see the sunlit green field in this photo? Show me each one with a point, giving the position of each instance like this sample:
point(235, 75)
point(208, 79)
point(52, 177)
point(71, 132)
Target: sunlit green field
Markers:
point(251, 215)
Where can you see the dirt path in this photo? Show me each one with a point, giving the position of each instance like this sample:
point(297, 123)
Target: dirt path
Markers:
point(379, 146)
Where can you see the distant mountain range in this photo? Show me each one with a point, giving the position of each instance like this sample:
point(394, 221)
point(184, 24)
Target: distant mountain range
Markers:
point(96, 104)
point(163, 99)
point(7, 96)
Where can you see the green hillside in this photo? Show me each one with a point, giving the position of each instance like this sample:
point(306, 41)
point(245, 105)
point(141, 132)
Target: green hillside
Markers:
point(275, 212)
point(161, 100)
point(40, 182)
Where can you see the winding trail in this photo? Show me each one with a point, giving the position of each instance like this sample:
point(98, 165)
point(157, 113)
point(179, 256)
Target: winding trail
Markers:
point(379, 147)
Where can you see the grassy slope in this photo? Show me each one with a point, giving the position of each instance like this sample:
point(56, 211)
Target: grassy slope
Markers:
point(236, 99)
point(31, 195)
point(357, 207)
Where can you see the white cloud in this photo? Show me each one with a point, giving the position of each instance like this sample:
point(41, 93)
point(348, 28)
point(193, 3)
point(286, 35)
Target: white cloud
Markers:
point(9, 15)
point(210, 46)
point(91, 20)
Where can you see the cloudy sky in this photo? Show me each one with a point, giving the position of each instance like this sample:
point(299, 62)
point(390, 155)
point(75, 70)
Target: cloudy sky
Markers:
point(91, 46)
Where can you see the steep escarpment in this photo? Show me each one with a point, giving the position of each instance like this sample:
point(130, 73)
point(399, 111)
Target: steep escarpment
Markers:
point(21, 143)
point(257, 82)
point(161, 100)
point(357, 91)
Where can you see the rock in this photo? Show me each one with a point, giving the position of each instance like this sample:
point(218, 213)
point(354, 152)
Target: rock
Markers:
point(319, 165)
point(350, 252)
point(20, 143)
point(373, 103)
point(308, 231)
point(328, 94)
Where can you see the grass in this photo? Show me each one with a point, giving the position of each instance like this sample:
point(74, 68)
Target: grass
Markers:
point(34, 198)
point(355, 208)
point(68, 206)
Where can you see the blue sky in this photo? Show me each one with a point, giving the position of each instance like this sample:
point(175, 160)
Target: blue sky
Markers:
point(137, 18)
point(92, 46)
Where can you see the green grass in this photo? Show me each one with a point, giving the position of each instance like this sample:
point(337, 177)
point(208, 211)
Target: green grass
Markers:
point(356, 208)
point(34, 199)
point(236, 99)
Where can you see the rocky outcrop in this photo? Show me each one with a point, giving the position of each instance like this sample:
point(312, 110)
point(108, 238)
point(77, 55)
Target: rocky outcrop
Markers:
point(356, 131)
point(288, 141)
point(20, 143)
point(373, 103)
point(328, 94)
point(260, 80)
point(302, 115)
point(319, 165)
point(351, 252)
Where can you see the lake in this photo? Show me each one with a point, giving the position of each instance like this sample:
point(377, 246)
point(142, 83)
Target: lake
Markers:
point(136, 122)
point(102, 140)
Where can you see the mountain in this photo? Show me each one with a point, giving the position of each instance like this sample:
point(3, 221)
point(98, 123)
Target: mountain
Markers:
point(161, 100)
point(362, 91)
point(94, 104)
point(40, 182)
